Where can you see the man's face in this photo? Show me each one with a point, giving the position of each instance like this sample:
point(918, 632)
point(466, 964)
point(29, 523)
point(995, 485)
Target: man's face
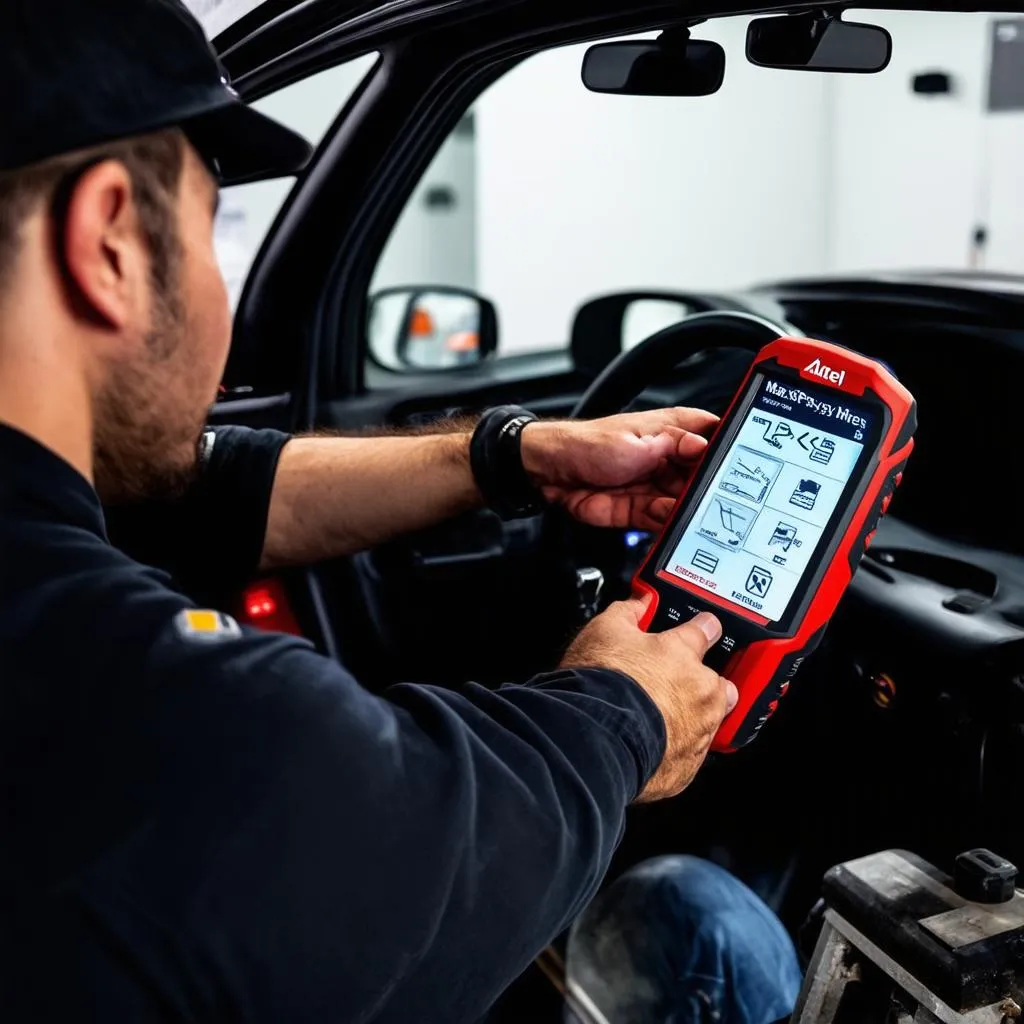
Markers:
point(152, 408)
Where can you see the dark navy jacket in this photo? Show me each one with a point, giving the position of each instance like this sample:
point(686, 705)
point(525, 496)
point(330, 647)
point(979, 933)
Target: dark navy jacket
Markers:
point(224, 826)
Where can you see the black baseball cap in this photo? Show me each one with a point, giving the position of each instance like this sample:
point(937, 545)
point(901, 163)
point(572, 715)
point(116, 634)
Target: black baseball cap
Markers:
point(79, 73)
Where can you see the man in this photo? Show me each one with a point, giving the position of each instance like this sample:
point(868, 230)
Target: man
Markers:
point(203, 823)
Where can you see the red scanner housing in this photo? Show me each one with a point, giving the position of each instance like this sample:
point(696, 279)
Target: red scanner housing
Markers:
point(775, 519)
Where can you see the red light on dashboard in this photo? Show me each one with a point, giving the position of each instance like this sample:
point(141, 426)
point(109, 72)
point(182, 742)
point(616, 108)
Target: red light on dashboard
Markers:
point(260, 603)
point(266, 605)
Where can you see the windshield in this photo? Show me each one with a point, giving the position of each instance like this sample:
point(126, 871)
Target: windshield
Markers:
point(549, 195)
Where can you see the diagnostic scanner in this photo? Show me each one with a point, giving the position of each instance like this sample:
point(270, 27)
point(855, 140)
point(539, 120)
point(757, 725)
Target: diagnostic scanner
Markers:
point(775, 519)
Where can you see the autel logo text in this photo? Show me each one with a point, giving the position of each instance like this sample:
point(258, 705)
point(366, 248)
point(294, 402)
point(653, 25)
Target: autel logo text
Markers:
point(819, 369)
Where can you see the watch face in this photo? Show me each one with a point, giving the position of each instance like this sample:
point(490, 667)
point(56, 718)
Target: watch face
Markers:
point(774, 496)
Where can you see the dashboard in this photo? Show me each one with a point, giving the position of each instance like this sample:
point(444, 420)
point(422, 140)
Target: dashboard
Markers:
point(907, 726)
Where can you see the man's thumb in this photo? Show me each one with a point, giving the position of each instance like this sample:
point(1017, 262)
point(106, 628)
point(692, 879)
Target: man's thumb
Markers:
point(700, 634)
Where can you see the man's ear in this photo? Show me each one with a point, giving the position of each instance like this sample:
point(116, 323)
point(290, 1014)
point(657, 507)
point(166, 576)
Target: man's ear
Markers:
point(104, 256)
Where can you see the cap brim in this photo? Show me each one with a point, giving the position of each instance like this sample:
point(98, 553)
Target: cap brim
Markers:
point(243, 145)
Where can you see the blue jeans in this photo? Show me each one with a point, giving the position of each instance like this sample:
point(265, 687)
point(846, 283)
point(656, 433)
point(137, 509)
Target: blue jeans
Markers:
point(678, 940)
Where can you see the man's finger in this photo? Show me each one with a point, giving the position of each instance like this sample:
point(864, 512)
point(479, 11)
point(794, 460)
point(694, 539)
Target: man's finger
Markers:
point(640, 456)
point(700, 634)
point(656, 512)
point(672, 442)
point(726, 699)
point(595, 508)
point(732, 695)
point(671, 479)
point(647, 451)
point(697, 421)
point(689, 445)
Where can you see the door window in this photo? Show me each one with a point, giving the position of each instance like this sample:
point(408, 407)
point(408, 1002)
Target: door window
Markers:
point(247, 211)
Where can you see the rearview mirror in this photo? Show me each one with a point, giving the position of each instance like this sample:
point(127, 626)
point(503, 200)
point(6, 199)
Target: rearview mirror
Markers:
point(817, 42)
point(671, 65)
point(431, 328)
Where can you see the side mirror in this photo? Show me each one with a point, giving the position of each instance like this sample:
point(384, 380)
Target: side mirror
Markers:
point(423, 328)
point(817, 42)
point(671, 65)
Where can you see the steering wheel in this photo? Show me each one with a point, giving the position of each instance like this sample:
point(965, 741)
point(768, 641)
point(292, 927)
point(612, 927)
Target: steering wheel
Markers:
point(632, 371)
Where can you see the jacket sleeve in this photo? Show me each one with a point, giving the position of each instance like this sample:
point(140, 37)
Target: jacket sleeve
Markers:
point(210, 540)
point(319, 853)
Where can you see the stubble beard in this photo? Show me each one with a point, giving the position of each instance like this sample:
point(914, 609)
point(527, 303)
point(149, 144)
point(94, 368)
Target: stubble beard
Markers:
point(145, 448)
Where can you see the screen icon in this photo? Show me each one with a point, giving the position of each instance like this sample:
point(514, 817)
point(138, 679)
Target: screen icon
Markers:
point(759, 581)
point(775, 436)
point(705, 561)
point(819, 449)
point(784, 536)
point(750, 474)
point(823, 450)
point(805, 494)
point(727, 522)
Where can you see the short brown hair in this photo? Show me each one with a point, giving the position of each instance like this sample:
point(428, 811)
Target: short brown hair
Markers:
point(155, 163)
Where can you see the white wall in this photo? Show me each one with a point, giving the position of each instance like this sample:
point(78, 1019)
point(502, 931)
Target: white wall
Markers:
point(914, 175)
point(1004, 155)
point(908, 183)
point(581, 193)
point(1002, 146)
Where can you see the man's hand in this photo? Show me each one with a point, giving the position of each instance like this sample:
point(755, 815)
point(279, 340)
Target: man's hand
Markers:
point(692, 698)
point(620, 471)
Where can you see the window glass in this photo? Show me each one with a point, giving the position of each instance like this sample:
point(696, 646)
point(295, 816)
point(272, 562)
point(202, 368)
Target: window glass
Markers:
point(247, 211)
point(549, 195)
point(434, 241)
